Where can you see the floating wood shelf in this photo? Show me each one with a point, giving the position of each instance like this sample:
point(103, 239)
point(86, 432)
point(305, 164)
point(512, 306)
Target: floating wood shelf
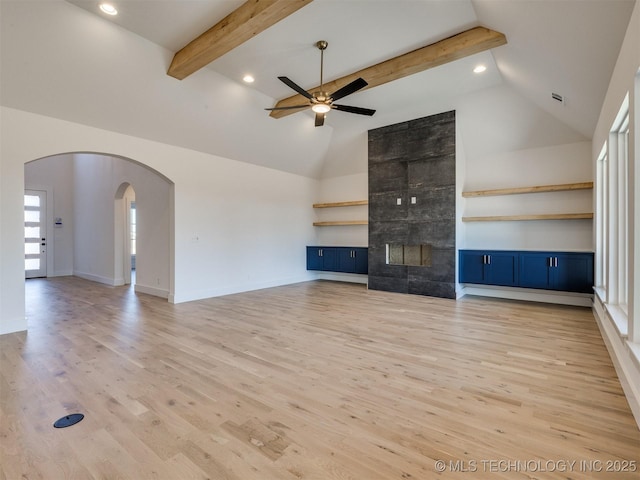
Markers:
point(536, 189)
point(341, 204)
point(338, 223)
point(550, 216)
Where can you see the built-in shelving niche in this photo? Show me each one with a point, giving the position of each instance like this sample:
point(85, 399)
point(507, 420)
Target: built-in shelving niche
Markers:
point(334, 223)
point(523, 190)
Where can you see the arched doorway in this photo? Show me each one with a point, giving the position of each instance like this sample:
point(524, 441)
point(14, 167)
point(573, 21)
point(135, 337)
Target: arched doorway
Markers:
point(93, 195)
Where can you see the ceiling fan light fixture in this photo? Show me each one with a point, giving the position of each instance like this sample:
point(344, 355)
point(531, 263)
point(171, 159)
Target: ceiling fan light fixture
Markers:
point(321, 108)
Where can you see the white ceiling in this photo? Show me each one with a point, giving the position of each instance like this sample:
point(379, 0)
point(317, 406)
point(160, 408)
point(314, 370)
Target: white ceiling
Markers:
point(562, 46)
point(55, 57)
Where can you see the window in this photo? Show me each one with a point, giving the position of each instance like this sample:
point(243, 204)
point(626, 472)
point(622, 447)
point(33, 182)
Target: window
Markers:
point(614, 204)
point(620, 136)
point(602, 205)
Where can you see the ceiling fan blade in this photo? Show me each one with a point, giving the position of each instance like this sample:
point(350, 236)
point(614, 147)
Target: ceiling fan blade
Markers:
point(348, 89)
point(288, 108)
point(358, 110)
point(320, 119)
point(295, 86)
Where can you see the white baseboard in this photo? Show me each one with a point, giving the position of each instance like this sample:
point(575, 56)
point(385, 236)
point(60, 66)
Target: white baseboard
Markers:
point(624, 359)
point(95, 278)
point(63, 273)
point(527, 294)
point(156, 292)
point(231, 289)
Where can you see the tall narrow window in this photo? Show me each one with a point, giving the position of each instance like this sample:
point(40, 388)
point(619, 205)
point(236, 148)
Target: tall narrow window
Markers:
point(617, 273)
point(622, 138)
point(602, 237)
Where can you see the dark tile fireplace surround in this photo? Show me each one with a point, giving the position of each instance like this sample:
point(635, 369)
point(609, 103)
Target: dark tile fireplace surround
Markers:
point(412, 186)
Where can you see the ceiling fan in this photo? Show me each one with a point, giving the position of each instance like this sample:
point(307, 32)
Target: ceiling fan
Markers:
point(321, 102)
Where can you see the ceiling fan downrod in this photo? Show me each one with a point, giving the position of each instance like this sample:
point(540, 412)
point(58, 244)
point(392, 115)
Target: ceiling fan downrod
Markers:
point(322, 45)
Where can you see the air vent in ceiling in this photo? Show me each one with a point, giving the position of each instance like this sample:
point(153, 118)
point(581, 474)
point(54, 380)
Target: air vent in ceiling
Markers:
point(558, 97)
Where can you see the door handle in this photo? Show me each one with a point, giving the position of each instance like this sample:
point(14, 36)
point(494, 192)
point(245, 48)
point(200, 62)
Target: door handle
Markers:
point(556, 262)
point(488, 259)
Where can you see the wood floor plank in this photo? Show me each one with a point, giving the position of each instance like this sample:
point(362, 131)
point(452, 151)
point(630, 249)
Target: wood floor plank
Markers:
point(314, 381)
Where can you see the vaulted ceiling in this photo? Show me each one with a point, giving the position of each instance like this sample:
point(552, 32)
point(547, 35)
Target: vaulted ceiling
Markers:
point(565, 47)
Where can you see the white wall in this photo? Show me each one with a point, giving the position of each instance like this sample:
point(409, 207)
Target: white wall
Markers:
point(94, 219)
point(55, 174)
point(342, 189)
point(96, 256)
point(237, 226)
point(569, 163)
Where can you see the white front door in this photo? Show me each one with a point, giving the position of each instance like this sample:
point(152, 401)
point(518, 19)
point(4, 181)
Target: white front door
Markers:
point(35, 238)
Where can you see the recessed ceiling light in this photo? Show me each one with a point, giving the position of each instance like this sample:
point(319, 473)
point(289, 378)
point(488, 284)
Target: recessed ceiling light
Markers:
point(479, 69)
point(108, 9)
point(248, 79)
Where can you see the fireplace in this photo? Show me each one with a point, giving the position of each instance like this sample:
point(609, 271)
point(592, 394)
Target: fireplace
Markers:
point(412, 206)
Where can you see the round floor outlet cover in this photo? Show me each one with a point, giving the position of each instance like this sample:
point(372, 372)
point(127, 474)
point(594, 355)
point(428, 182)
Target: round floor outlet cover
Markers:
point(68, 420)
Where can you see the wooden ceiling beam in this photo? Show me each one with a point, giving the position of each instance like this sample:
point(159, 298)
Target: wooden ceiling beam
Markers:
point(462, 45)
point(251, 18)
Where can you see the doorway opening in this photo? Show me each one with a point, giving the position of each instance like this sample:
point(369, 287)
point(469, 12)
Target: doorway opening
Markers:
point(132, 237)
point(126, 234)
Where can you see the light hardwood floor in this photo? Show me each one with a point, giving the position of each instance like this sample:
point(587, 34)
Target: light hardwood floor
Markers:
point(319, 380)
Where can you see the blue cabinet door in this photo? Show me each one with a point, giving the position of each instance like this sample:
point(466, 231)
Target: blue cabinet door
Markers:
point(501, 268)
point(471, 266)
point(535, 270)
point(362, 260)
point(329, 258)
point(573, 272)
point(314, 260)
point(346, 260)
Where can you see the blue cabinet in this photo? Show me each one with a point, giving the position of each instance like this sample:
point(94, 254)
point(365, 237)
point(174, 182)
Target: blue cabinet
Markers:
point(338, 259)
point(563, 271)
point(352, 260)
point(321, 258)
point(489, 267)
point(566, 271)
